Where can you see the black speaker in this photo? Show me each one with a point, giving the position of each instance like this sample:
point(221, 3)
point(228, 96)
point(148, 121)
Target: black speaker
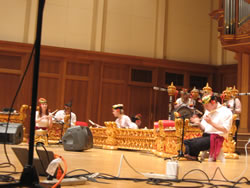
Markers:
point(14, 133)
point(77, 138)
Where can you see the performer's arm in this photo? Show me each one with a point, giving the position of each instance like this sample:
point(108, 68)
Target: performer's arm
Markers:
point(59, 116)
point(208, 119)
point(73, 119)
point(38, 119)
point(197, 121)
point(126, 122)
point(177, 103)
point(237, 109)
point(50, 121)
point(130, 123)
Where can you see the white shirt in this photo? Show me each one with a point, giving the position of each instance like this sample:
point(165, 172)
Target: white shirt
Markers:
point(190, 103)
point(221, 116)
point(61, 114)
point(133, 126)
point(234, 105)
point(43, 122)
point(124, 122)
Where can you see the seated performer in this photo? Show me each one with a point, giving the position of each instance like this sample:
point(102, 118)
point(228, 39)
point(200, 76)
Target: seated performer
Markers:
point(62, 115)
point(43, 118)
point(215, 123)
point(184, 100)
point(234, 104)
point(122, 121)
point(136, 120)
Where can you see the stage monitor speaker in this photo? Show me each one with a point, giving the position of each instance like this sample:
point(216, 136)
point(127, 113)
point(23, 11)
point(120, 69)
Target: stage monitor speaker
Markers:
point(14, 133)
point(77, 138)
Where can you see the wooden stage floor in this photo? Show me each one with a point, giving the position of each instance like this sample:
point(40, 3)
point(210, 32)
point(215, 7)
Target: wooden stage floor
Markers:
point(108, 161)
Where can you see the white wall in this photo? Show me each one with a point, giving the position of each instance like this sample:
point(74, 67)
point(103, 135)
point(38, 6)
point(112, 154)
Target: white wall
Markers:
point(130, 27)
point(188, 34)
point(12, 18)
point(173, 29)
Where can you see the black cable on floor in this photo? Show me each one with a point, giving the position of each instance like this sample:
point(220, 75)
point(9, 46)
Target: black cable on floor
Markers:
point(7, 178)
point(194, 183)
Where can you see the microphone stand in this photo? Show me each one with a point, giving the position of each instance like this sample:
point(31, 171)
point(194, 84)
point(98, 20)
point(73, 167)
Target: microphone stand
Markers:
point(62, 124)
point(29, 176)
point(180, 152)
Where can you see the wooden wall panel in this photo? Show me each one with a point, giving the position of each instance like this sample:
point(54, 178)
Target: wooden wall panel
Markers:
point(76, 91)
point(161, 99)
point(49, 82)
point(226, 77)
point(9, 85)
point(95, 89)
point(49, 65)
point(115, 72)
point(244, 86)
point(141, 101)
point(229, 80)
point(48, 88)
point(10, 61)
point(25, 94)
point(77, 69)
point(112, 93)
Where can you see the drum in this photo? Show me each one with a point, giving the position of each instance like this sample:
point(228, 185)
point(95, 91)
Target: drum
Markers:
point(184, 111)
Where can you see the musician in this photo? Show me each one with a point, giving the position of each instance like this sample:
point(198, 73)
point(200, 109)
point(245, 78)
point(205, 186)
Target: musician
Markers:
point(136, 120)
point(66, 115)
point(234, 104)
point(184, 100)
point(122, 121)
point(215, 123)
point(43, 118)
point(198, 107)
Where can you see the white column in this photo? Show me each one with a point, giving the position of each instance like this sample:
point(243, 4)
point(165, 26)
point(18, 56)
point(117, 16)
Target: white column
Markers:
point(160, 29)
point(98, 23)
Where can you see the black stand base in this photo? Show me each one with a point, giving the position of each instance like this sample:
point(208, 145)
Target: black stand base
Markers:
point(29, 177)
point(181, 155)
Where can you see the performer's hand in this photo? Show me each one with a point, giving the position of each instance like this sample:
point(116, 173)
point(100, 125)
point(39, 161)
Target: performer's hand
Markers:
point(176, 106)
point(195, 119)
point(50, 116)
point(208, 119)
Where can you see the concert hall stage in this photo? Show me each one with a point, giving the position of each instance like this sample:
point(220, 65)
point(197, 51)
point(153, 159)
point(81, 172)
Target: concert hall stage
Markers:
point(108, 162)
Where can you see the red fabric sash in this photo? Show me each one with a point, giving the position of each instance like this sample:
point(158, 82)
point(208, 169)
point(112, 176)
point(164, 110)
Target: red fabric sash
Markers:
point(216, 142)
point(43, 128)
